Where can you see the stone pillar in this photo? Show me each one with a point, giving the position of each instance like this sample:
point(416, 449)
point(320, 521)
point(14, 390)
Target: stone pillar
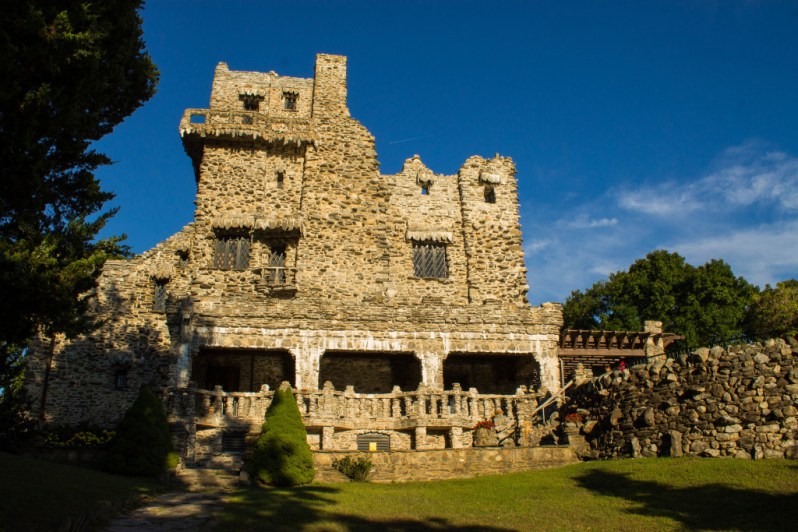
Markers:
point(431, 370)
point(421, 437)
point(456, 437)
point(549, 370)
point(306, 365)
point(327, 438)
point(655, 347)
point(183, 365)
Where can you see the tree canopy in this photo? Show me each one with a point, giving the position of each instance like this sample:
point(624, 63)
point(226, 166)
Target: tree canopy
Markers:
point(774, 311)
point(71, 70)
point(704, 303)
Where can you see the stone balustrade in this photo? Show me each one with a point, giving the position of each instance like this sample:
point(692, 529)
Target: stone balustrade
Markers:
point(345, 410)
point(228, 122)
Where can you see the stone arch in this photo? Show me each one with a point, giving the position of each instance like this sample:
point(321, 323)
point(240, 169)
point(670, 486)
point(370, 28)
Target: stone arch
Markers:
point(491, 373)
point(370, 372)
point(242, 369)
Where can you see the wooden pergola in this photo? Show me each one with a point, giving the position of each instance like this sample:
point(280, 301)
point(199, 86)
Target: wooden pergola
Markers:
point(598, 349)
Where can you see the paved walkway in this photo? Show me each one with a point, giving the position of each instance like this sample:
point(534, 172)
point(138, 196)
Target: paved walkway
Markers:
point(195, 507)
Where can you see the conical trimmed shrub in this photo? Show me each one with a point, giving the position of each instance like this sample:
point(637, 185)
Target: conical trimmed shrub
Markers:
point(142, 445)
point(282, 455)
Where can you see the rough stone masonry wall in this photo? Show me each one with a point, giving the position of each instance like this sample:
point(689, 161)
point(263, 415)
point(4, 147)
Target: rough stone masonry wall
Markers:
point(740, 403)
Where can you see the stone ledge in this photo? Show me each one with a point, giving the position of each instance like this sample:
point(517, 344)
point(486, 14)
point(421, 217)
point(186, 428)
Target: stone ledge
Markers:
point(441, 464)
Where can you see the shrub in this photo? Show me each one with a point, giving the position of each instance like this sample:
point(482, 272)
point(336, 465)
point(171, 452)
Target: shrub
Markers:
point(142, 445)
point(79, 437)
point(282, 455)
point(356, 469)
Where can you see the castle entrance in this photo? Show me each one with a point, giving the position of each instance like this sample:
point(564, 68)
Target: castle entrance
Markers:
point(242, 370)
point(491, 374)
point(370, 372)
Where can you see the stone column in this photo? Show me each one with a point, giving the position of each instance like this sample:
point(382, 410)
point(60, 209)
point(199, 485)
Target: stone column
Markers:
point(431, 370)
point(456, 437)
point(306, 364)
point(183, 365)
point(327, 438)
point(421, 437)
point(655, 347)
point(549, 370)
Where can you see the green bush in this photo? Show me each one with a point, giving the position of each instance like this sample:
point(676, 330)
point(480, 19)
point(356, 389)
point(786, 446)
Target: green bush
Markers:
point(356, 469)
point(282, 456)
point(142, 445)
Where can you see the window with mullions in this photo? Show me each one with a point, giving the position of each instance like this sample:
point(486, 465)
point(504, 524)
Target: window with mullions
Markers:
point(429, 260)
point(159, 296)
point(276, 267)
point(231, 253)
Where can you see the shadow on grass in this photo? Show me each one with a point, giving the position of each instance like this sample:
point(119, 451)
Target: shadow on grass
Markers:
point(310, 508)
point(707, 507)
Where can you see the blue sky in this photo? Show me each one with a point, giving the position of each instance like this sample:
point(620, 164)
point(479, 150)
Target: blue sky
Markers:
point(634, 125)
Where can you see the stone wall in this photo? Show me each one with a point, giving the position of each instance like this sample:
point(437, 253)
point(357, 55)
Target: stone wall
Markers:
point(739, 402)
point(442, 464)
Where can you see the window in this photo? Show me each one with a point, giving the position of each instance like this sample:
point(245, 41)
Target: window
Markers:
point(280, 179)
point(159, 296)
point(120, 379)
point(490, 194)
point(231, 253)
point(425, 190)
point(251, 103)
point(276, 266)
point(429, 260)
point(290, 99)
point(182, 257)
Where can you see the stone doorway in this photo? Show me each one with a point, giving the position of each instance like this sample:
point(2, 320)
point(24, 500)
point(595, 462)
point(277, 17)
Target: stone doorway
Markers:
point(370, 372)
point(491, 374)
point(242, 370)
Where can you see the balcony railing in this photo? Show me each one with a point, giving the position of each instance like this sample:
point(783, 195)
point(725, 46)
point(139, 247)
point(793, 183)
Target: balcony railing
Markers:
point(328, 407)
point(236, 123)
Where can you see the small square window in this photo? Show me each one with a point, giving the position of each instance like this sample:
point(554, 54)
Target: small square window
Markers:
point(231, 253)
point(120, 379)
point(429, 260)
point(159, 296)
point(290, 99)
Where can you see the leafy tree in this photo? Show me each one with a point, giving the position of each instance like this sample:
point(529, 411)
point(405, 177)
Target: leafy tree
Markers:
point(282, 455)
point(704, 303)
point(774, 311)
point(71, 71)
point(142, 445)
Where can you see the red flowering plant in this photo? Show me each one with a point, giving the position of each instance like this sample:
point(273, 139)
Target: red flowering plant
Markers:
point(485, 424)
point(574, 417)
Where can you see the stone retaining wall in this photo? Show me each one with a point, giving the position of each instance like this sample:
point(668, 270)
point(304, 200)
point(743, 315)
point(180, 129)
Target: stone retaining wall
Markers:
point(739, 402)
point(405, 466)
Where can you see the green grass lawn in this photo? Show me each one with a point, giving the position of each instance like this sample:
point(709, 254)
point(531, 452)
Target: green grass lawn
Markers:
point(639, 495)
point(41, 495)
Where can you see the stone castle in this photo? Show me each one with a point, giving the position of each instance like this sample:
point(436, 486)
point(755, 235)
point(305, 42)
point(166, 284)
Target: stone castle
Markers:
point(395, 305)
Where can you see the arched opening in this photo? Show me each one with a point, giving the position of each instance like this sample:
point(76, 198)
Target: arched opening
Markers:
point(493, 374)
point(242, 370)
point(370, 372)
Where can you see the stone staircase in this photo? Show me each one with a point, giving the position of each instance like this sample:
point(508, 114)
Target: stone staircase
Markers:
point(208, 479)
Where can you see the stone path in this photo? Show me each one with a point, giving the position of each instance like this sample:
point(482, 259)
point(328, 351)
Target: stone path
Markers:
point(195, 507)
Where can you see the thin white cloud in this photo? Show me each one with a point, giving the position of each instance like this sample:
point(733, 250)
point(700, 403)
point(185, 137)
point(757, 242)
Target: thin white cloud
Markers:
point(742, 176)
point(583, 221)
point(743, 209)
point(764, 254)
